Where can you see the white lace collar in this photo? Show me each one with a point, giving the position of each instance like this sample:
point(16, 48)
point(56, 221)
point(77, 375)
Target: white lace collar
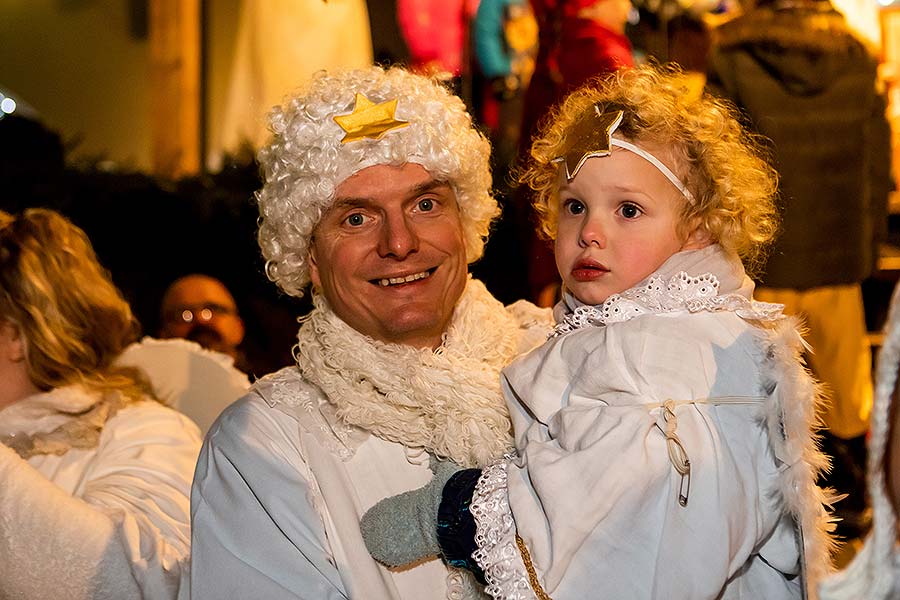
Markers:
point(679, 292)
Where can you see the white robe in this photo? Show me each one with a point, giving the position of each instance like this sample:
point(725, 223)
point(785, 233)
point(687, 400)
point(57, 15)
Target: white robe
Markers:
point(594, 493)
point(276, 513)
point(110, 521)
point(280, 488)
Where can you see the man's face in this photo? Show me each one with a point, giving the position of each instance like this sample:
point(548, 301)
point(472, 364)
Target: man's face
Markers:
point(389, 254)
point(199, 308)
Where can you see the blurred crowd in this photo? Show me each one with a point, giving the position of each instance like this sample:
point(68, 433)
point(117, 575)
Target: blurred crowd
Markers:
point(180, 260)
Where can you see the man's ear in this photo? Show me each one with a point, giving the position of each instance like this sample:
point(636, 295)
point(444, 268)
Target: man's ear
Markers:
point(313, 266)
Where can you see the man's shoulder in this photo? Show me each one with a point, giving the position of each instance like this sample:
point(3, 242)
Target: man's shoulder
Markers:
point(251, 417)
point(528, 314)
point(286, 389)
point(534, 323)
point(285, 406)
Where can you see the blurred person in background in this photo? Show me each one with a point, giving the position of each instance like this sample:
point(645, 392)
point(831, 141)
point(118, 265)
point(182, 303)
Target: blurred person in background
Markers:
point(505, 39)
point(200, 308)
point(96, 472)
point(437, 35)
point(505, 42)
point(277, 44)
point(804, 79)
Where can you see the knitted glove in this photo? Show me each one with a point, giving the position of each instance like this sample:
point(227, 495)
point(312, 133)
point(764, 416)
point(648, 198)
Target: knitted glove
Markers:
point(403, 529)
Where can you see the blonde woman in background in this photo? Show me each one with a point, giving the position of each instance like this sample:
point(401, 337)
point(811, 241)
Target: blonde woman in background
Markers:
point(95, 472)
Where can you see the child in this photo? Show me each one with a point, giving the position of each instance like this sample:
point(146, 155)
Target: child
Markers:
point(664, 430)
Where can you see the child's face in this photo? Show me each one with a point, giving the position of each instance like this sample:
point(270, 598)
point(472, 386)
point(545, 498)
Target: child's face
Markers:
point(617, 224)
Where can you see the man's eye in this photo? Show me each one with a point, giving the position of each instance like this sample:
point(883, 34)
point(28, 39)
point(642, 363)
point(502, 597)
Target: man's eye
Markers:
point(630, 211)
point(574, 207)
point(426, 205)
point(355, 220)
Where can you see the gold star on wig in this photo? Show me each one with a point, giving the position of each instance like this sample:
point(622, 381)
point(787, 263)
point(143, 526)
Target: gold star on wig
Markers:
point(369, 120)
point(591, 136)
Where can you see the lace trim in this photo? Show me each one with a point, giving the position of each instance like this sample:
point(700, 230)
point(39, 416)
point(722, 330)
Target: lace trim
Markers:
point(314, 413)
point(495, 537)
point(681, 293)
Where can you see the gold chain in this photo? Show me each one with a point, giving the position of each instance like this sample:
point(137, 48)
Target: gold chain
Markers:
point(532, 574)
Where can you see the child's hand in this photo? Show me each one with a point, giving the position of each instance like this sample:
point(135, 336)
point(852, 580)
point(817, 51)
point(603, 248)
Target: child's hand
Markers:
point(402, 529)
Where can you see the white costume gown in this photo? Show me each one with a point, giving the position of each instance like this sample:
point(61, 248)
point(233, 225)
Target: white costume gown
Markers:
point(594, 494)
point(195, 381)
point(105, 518)
point(282, 483)
point(874, 572)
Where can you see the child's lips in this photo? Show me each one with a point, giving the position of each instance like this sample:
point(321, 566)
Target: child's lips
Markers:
point(588, 270)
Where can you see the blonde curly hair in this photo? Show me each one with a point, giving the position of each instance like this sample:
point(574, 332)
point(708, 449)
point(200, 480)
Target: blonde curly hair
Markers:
point(74, 320)
point(305, 161)
point(722, 164)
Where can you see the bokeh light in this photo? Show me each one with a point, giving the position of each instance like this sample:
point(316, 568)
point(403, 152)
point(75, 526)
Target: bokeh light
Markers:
point(7, 105)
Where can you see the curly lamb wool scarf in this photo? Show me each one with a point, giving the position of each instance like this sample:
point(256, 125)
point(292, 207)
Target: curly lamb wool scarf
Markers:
point(447, 401)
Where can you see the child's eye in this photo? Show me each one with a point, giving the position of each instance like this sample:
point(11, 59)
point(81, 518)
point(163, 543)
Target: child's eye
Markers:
point(355, 220)
point(630, 211)
point(573, 206)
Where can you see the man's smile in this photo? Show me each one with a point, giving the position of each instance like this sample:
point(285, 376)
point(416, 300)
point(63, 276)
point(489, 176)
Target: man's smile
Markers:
point(386, 281)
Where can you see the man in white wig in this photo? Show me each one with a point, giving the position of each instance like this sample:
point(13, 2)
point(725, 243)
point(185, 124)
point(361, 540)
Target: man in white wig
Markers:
point(376, 192)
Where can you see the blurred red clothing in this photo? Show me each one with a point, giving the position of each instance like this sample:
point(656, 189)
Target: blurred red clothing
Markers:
point(571, 50)
point(436, 32)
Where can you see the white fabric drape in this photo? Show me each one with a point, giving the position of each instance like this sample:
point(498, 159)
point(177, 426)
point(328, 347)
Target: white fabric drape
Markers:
point(109, 521)
point(280, 43)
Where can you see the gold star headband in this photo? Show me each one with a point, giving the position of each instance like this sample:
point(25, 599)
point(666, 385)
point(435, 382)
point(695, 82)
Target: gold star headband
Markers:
point(592, 136)
point(369, 120)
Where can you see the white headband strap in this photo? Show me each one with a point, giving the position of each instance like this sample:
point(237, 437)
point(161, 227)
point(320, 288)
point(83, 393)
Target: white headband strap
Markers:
point(591, 136)
point(656, 163)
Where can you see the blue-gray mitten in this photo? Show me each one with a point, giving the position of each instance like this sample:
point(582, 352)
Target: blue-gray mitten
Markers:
point(402, 529)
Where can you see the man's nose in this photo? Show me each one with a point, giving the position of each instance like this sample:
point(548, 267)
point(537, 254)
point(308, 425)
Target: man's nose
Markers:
point(398, 237)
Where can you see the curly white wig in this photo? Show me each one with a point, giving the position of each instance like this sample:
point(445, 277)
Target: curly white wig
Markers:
point(305, 160)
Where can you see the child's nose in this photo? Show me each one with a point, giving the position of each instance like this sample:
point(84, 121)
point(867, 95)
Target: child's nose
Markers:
point(592, 235)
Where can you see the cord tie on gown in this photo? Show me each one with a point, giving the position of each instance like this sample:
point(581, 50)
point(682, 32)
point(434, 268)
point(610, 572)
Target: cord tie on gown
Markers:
point(677, 454)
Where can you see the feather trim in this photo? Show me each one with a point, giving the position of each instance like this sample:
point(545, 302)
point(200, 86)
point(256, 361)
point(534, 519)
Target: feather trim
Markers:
point(792, 419)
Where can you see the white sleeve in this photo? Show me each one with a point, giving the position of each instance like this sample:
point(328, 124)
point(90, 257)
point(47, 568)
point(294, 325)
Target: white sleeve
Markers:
point(126, 533)
point(256, 533)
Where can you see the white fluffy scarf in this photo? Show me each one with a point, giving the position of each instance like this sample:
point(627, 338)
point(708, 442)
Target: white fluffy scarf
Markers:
point(447, 401)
